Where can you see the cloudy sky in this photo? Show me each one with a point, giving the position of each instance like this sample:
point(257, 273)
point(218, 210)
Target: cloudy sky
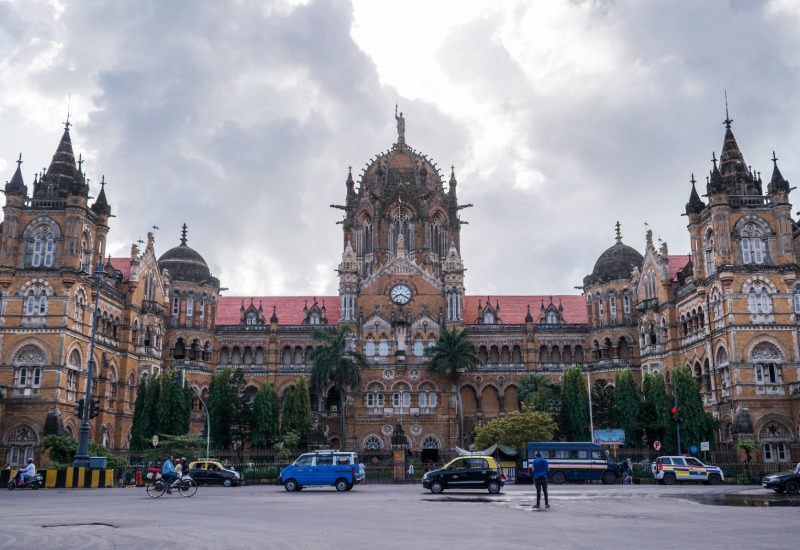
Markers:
point(241, 118)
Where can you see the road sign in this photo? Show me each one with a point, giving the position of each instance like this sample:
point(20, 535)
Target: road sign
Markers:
point(704, 446)
point(657, 445)
point(693, 449)
point(154, 441)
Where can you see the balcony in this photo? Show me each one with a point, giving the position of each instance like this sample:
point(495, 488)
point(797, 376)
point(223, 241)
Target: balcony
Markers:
point(149, 306)
point(769, 389)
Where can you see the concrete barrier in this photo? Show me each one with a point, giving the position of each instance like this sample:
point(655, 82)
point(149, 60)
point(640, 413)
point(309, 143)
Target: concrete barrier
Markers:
point(68, 478)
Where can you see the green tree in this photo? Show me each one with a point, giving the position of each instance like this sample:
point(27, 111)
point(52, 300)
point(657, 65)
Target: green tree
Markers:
point(452, 355)
point(241, 413)
point(62, 448)
point(337, 364)
point(661, 427)
point(220, 407)
point(141, 428)
point(603, 405)
point(516, 429)
point(696, 424)
point(574, 417)
point(174, 406)
point(266, 417)
point(297, 412)
point(626, 405)
point(188, 446)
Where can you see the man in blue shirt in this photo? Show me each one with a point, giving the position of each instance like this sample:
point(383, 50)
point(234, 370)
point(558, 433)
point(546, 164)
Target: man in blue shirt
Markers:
point(168, 472)
point(540, 467)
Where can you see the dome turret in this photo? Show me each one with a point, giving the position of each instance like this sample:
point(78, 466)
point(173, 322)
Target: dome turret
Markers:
point(615, 263)
point(186, 264)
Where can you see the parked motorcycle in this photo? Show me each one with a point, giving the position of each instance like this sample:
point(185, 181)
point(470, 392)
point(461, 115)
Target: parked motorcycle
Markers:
point(33, 482)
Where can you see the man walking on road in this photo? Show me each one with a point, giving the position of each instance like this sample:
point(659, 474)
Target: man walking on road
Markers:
point(540, 467)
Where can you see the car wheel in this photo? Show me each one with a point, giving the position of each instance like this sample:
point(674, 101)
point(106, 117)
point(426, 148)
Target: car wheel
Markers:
point(341, 484)
point(558, 478)
point(609, 478)
point(291, 485)
point(494, 487)
point(437, 487)
point(792, 487)
point(227, 482)
point(669, 479)
point(714, 479)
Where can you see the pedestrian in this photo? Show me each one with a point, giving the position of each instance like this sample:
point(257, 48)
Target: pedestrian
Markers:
point(362, 474)
point(410, 472)
point(627, 472)
point(178, 468)
point(797, 468)
point(539, 470)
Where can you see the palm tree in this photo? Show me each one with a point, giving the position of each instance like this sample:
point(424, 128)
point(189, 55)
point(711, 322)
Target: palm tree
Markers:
point(451, 355)
point(335, 363)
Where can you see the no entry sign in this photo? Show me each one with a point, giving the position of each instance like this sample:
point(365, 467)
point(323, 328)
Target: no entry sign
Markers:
point(657, 445)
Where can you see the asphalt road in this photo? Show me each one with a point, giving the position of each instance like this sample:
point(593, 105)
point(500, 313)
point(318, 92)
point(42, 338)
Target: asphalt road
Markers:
point(400, 516)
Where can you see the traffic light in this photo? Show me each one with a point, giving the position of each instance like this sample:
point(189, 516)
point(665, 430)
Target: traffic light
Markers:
point(94, 409)
point(79, 408)
point(674, 412)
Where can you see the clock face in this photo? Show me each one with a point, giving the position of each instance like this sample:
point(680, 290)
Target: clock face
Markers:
point(400, 294)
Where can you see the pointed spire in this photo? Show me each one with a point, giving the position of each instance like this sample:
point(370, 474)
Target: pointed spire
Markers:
point(16, 186)
point(618, 239)
point(101, 204)
point(62, 170)
point(274, 317)
point(695, 205)
point(183, 234)
point(529, 317)
point(777, 184)
point(728, 120)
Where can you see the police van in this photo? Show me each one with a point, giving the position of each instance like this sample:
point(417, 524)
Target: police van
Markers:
point(321, 469)
point(669, 469)
point(571, 461)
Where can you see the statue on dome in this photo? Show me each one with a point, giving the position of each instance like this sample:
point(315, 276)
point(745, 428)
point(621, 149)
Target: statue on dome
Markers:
point(401, 123)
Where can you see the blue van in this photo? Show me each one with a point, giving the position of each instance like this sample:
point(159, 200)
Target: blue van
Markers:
point(573, 461)
point(321, 469)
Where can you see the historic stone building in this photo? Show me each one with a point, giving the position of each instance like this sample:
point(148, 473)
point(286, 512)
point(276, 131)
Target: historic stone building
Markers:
point(728, 310)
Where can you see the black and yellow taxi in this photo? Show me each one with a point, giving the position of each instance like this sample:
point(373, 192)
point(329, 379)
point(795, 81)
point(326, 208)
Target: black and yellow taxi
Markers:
point(208, 471)
point(466, 472)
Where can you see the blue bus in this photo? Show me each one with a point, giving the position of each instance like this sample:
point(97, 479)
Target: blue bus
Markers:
point(570, 461)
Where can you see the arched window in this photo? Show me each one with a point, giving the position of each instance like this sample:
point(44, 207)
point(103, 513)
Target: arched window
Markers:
point(251, 318)
point(552, 318)
point(626, 304)
point(373, 443)
point(383, 347)
point(419, 346)
point(37, 251)
point(314, 318)
point(369, 347)
point(427, 396)
point(430, 442)
point(752, 245)
point(21, 442)
point(488, 318)
point(796, 299)
point(709, 253)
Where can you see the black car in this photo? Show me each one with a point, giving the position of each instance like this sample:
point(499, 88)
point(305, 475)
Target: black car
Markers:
point(466, 472)
point(788, 482)
point(212, 472)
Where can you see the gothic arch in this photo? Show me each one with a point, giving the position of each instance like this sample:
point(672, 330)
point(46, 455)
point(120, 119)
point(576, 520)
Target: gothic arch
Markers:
point(774, 426)
point(30, 353)
point(764, 349)
point(754, 279)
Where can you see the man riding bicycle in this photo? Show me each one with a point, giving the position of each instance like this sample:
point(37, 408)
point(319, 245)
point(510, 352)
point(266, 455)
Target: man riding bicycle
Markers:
point(168, 472)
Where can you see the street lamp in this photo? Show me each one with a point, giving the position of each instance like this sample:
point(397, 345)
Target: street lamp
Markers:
point(82, 455)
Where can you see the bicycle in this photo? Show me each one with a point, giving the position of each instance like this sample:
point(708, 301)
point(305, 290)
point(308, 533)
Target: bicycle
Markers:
point(186, 486)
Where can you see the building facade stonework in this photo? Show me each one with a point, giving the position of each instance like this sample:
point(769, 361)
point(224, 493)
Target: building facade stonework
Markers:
point(729, 310)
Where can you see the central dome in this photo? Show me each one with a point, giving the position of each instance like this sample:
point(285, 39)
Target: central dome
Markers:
point(185, 263)
point(617, 262)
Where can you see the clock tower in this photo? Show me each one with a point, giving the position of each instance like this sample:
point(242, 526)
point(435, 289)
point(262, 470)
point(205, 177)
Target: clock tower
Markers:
point(401, 278)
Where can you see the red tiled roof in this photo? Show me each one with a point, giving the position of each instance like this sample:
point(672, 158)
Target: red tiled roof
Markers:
point(513, 309)
point(123, 265)
point(289, 309)
point(676, 263)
